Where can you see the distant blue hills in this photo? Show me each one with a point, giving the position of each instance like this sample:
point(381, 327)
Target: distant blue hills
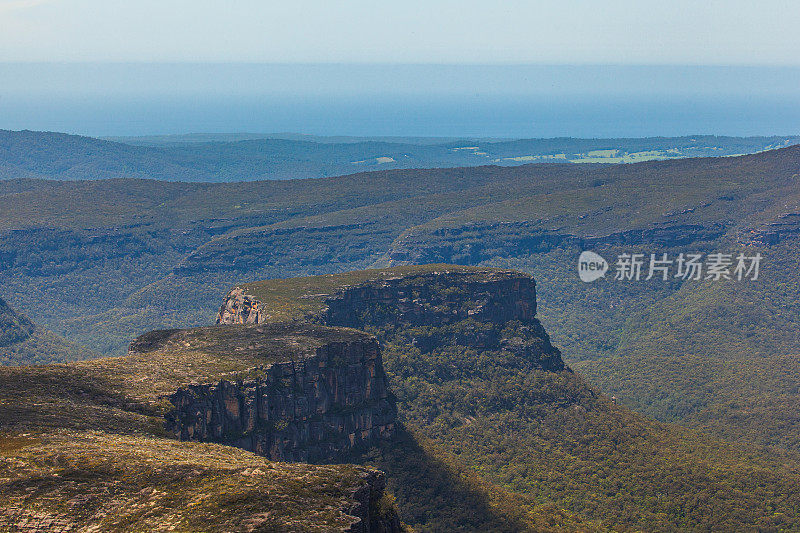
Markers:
point(246, 156)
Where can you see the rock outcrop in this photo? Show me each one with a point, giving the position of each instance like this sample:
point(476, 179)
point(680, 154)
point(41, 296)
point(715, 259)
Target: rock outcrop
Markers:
point(478, 308)
point(369, 509)
point(473, 243)
point(240, 308)
point(310, 410)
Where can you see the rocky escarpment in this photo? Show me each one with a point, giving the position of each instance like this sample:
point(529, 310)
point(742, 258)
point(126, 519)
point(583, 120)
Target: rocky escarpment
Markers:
point(434, 299)
point(472, 243)
point(461, 309)
point(477, 308)
point(785, 226)
point(311, 409)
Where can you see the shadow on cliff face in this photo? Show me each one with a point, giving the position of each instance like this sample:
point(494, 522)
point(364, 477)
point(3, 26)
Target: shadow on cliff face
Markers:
point(431, 494)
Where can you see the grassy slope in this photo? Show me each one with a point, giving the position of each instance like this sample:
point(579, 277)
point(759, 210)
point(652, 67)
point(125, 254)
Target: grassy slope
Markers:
point(135, 482)
point(84, 443)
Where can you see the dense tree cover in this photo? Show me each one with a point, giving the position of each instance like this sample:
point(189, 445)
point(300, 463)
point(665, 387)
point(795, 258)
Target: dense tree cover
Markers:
point(21, 342)
point(722, 356)
point(13, 326)
point(43, 347)
point(436, 492)
point(30, 154)
point(493, 417)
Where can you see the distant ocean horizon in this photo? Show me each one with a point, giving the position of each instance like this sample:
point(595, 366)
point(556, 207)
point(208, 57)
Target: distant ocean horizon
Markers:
point(400, 100)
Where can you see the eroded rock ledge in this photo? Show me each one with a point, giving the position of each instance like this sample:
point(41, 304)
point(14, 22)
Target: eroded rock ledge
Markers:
point(308, 410)
point(470, 307)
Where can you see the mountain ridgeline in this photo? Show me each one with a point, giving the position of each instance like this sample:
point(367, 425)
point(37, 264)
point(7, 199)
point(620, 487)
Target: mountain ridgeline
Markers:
point(220, 158)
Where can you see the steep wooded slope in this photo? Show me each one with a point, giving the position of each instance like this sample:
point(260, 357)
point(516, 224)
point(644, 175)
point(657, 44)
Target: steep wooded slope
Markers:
point(22, 342)
point(482, 390)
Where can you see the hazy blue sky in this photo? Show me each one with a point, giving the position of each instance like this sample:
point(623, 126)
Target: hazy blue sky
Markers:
point(763, 32)
point(416, 67)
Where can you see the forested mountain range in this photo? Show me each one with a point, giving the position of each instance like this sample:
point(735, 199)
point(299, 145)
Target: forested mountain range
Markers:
point(99, 262)
point(228, 158)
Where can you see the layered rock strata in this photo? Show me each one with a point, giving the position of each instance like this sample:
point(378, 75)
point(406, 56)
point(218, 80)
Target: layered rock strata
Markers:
point(310, 410)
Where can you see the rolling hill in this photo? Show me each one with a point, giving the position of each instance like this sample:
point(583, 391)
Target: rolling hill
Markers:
point(209, 158)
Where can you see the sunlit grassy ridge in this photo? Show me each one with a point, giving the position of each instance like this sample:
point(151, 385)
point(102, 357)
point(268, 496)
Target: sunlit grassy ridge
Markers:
point(83, 445)
point(304, 297)
point(124, 483)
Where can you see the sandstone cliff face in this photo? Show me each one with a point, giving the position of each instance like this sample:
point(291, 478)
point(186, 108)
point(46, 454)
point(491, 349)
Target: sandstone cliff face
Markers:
point(435, 300)
point(470, 309)
point(494, 311)
point(309, 410)
point(472, 243)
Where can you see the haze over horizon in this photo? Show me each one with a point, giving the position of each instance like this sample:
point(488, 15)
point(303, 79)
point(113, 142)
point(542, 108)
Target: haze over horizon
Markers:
point(441, 68)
